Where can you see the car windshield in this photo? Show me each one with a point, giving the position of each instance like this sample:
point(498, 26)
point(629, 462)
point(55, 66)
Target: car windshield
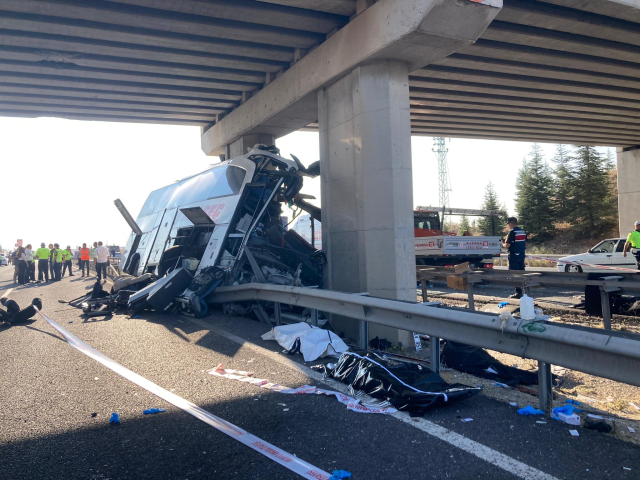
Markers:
point(605, 247)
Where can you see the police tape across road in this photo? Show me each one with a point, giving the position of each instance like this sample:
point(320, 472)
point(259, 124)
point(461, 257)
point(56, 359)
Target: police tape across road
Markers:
point(293, 463)
point(533, 257)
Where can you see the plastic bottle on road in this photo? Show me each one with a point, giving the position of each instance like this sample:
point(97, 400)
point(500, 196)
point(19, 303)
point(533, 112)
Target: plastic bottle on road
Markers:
point(527, 312)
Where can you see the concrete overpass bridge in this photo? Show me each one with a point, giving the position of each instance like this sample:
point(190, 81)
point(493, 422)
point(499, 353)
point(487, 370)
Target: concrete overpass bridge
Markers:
point(367, 74)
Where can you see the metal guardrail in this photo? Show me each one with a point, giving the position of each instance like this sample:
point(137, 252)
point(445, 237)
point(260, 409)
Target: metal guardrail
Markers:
point(612, 355)
point(622, 283)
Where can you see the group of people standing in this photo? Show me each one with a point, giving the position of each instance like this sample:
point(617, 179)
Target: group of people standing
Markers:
point(53, 262)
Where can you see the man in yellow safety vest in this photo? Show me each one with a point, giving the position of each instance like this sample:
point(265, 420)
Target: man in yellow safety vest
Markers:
point(43, 262)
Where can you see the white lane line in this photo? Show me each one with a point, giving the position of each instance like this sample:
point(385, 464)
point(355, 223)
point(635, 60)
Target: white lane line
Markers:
point(481, 451)
point(7, 293)
point(293, 463)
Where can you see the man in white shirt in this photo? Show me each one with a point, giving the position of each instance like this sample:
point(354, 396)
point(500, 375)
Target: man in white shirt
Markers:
point(31, 265)
point(101, 261)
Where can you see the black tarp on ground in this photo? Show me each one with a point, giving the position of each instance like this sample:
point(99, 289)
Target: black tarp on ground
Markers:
point(383, 379)
point(477, 361)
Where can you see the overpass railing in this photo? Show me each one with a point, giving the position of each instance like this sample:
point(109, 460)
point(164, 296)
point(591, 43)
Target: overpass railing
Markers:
point(612, 355)
point(621, 283)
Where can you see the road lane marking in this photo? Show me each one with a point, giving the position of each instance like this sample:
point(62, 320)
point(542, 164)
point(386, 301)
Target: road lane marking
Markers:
point(287, 460)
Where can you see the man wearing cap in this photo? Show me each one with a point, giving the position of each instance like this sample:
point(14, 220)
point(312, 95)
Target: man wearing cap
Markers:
point(516, 245)
point(633, 243)
point(67, 255)
point(43, 262)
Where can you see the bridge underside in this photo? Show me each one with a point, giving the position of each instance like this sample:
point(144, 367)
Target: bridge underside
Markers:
point(549, 70)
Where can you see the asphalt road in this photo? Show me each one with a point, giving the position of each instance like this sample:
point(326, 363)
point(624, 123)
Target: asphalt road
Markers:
point(55, 404)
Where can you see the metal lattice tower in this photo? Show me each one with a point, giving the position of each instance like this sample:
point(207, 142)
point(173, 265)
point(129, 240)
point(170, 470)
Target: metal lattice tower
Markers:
point(444, 187)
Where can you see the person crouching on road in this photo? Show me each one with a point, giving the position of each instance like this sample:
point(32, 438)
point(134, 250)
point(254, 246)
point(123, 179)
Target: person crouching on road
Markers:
point(56, 254)
point(516, 245)
point(101, 261)
point(67, 256)
point(84, 254)
point(31, 264)
point(42, 254)
point(633, 244)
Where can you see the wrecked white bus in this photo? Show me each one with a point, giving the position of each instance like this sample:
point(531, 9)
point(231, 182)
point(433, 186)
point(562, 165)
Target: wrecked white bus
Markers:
point(227, 217)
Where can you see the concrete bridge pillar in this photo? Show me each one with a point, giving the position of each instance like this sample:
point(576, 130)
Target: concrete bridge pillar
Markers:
point(367, 197)
point(628, 188)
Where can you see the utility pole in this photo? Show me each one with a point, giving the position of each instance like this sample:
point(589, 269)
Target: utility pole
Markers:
point(444, 187)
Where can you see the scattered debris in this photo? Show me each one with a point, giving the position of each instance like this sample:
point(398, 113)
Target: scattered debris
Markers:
point(312, 342)
point(529, 410)
point(115, 419)
point(501, 385)
point(541, 422)
point(634, 406)
point(626, 468)
point(513, 404)
point(477, 361)
point(631, 430)
point(599, 425)
point(153, 411)
point(565, 414)
point(352, 404)
point(285, 409)
point(467, 420)
point(574, 433)
point(340, 475)
point(94, 415)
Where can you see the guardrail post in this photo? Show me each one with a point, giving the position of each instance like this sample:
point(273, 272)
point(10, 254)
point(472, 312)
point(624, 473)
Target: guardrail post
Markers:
point(277, 313)
point(314, 318)
point(434, 343)
point(423, 284)
point(545, 386)
point(364, 334)
point(472, 303)
point(606, 308)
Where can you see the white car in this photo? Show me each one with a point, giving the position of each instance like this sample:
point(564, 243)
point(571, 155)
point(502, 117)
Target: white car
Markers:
point(3, 260)
point(607, 253)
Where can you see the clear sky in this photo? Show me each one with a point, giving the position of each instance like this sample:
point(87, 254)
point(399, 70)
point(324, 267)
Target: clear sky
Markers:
point(59, 178)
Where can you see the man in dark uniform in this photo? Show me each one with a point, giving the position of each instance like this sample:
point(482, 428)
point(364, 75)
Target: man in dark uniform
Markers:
point(516, 245)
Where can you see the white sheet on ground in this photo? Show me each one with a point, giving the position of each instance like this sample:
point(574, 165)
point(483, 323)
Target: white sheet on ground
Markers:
point(314, 342)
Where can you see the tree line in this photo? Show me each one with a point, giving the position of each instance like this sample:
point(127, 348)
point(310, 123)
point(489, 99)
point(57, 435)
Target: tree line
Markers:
point(578, 195)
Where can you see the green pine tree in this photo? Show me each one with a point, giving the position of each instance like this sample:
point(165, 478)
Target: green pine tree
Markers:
point(534, 196)
point(594, 209)
point(465, 226)
point(489, 226)
point(564, 182)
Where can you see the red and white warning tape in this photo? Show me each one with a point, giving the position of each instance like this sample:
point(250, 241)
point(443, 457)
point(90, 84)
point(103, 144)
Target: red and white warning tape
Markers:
point(293, 463)
point(351, 403)
point(583, 264)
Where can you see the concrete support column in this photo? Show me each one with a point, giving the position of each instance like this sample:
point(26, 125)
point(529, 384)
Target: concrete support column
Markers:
point(367, 196)
point(628, 189)
point(247, 142)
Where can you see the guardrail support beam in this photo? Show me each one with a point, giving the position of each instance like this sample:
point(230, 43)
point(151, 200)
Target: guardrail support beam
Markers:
point(606, 308)
point(434, 343)
point(364, 334)
point(277, 313)
point(472, 303)
point(423, 284)
point(545, 387)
